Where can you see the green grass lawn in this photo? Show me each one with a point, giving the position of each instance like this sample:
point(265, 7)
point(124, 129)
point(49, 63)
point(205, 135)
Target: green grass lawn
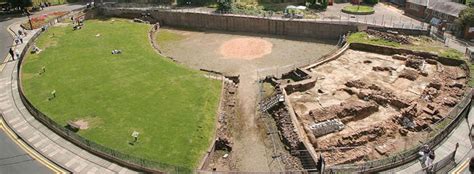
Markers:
point(172, 106)
point(358, 9)
point(362, 37)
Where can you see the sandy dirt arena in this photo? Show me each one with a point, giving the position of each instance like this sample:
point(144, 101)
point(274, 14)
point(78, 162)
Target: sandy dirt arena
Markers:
point(236, 52)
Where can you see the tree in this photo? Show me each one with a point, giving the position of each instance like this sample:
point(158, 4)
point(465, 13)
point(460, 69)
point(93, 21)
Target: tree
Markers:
point(224, 5)
point(22, 4)
point(371, 2)
point(324, 4)
point(466, 18)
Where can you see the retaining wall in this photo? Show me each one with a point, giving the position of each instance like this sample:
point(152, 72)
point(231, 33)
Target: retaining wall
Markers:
point(233, 23)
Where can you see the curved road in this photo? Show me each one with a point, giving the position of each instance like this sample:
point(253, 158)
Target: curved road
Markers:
point(13, 159)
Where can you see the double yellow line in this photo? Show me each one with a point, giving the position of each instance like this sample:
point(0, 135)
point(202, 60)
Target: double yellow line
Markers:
point(35, 155)
point(461, 167)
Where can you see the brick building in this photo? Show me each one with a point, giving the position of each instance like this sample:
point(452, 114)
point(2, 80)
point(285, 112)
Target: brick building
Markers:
point(444, 10)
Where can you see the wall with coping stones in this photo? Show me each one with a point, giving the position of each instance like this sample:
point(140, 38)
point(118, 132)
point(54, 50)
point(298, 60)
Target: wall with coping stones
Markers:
point(204, 21)
point(391, 51)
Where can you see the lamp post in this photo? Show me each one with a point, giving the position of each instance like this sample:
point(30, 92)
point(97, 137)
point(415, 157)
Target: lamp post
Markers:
point(29, 19)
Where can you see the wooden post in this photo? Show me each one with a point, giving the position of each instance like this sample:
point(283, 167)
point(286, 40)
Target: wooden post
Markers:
point(470, 131)
point(455, 150)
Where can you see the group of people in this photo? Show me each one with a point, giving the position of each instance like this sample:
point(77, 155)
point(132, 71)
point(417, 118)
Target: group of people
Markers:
point(44, 4)
point(77, 24)
point(427, 157)
point(19, 38)
point(14, 53)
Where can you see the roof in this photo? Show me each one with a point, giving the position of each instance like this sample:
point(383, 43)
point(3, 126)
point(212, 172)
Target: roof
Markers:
point(450, 8)
point(443, 6)
point(419, 2)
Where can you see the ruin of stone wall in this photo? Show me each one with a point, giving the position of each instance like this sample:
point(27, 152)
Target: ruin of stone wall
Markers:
point(392, 51)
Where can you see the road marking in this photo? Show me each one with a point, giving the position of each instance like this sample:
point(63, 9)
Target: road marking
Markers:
point(32, 153)
point(461, 167)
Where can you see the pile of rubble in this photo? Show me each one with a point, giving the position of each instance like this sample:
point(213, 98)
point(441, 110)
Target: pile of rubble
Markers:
point(346, 111)
point(409, 74)
point(354, 139)
point(375, 93)
point(286, 127)
point(414, 66)
point(388, 36)
point(346, 156)
point(291, 162)
point(227, 114)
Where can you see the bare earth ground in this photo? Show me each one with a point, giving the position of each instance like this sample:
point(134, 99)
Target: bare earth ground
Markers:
point(333, 91)
point(202, 50)
point(239, 54)
point(247, 48)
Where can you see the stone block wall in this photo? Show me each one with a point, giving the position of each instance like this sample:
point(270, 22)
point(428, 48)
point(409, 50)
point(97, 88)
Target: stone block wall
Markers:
point(232, 23)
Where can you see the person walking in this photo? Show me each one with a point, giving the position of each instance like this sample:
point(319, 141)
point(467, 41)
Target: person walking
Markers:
point(16, 40)
point(12, 53)
point(429, 162)
point(423, 153)
point(17, 54)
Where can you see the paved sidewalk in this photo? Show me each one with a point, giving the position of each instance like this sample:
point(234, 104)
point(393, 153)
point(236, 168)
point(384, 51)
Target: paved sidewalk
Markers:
point(43, 140)
point(459, 135)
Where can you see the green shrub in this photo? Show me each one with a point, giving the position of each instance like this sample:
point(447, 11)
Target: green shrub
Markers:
point(250, 8)
point(224, 5)
point(371, 2)
point(324, 4)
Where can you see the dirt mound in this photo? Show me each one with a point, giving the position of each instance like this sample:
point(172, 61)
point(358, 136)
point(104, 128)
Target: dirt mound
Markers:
point(245, 48)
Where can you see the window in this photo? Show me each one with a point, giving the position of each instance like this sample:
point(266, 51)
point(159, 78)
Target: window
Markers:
point(413, 7)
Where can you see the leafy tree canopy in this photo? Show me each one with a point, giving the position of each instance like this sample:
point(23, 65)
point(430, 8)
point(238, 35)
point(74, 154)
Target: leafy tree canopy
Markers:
point(466, 18)
point(20, 3)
